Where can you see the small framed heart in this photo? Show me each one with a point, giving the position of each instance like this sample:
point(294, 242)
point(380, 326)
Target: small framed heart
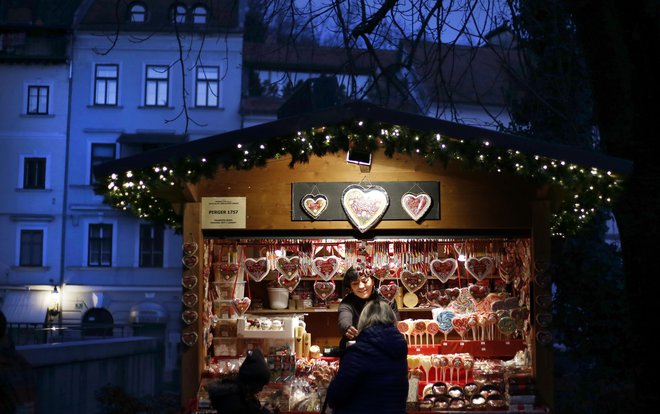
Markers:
point(189, 316)
point(257, 269)
point(325, 267)
point(314, 205)
point(388, 292)
point(242, 305)
point(444, 269)
point(288, 267)
point(189, 281)
point(189, 299)
point(190, 261)
point(189, 338)
point(324, 289)
point(412, 281)
point(289, 283)
point(416, 205)
point(189, 248)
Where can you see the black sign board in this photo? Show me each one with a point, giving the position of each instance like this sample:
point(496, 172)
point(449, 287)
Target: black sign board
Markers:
point(335, 211)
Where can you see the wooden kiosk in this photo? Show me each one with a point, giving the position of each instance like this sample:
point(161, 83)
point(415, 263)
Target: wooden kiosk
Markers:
point(495, 200)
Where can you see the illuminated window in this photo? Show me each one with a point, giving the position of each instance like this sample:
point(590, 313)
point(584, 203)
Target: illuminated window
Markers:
point(137, 13)
point(207, 85)
point(38, 100)
point(157, 80)
point(199, 15)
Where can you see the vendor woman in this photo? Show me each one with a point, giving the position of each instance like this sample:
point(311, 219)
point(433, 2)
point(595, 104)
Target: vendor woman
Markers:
point(362, 290)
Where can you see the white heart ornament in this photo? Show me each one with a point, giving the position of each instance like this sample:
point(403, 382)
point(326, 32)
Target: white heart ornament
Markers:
point(444, 269)
point(189, 316)
point(288, 267)
point(388, 292)
point(364, 206)
point(257, 269)
point(325, 267)
point(189, 248)
point(324, 289)
point(289, 283)
point(314, 205)
point(416, 205)
point(480, 267)
point(189, 281)
point(412, 281)
point(241, 305)
point(189, 338)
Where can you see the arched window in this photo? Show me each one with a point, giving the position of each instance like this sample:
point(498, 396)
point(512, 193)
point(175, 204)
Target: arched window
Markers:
point(137, 13)
point(199, 15)
point(178, 13)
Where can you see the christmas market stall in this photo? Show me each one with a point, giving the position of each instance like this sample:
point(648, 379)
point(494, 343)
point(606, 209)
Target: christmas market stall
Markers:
point(452, 222)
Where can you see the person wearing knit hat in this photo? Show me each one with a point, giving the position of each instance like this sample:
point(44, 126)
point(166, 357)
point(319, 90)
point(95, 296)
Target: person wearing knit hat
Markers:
point(238, 395)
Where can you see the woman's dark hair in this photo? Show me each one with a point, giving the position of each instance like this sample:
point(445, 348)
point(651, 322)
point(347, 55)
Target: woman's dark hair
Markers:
point(376, 312)
point(350, 276)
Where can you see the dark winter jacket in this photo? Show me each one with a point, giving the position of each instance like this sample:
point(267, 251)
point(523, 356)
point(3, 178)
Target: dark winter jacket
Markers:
point(373, 374)
point(17, 381)
point(349, 312)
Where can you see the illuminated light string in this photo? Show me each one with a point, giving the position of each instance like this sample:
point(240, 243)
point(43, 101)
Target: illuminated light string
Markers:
point(135, 191)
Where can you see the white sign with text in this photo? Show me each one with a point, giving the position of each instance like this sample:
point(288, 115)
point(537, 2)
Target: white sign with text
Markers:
point(223, 212)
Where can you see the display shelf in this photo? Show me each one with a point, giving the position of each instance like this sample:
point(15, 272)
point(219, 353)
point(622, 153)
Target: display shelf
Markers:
point(290, 311)
point(404, 309)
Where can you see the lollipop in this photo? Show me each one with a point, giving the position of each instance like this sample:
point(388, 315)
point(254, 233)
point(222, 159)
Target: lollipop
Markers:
point(444, 362)
point(444, 319)
point(432, 328)
point(419, 329)
point(456, 362)
point(435, 361)
point(405, 328)
point(460, 325)
point(468, 364)
point(426, 363)
point(473, 322)
point(491, 320)
point(506, 326)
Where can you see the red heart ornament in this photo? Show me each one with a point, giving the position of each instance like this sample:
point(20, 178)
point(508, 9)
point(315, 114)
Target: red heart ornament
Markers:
point(189, 316)
point(189, 261)
point(288, 267)
point(480, 267)
point(444, 269)
point(189, 299)
point(412, 281)
point(228, 270)
point(189, 281)
point(432, 295)
point(479, 292)
point(289, 283)
point(241, 305)
point(416, 205)
point(189, 248)
point(314, 205)
point(453, 293)
point(257, 269)
point(388, 292)
point(364, 206)
point(189, 338)
point(444, 300)
point(324, 289)
point(381, 272)
point(325, 267)
point(460, 325)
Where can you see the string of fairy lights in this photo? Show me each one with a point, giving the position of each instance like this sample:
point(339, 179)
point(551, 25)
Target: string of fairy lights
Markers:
point(140, 192)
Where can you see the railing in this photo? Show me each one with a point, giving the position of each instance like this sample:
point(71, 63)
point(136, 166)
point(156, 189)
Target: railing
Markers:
point(46, 333)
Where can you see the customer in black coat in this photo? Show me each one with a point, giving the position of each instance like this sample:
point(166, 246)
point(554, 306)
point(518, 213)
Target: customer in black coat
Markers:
point(238, 395)
point(373, 372)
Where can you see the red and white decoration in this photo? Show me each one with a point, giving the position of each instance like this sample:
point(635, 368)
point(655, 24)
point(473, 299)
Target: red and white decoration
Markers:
point(364, 206)
point(314, 205)
point(416, 205)
point(257, 269)
point(326, 267)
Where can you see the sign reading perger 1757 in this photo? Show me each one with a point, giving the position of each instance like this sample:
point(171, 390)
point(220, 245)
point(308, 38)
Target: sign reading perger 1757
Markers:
point(223, 212)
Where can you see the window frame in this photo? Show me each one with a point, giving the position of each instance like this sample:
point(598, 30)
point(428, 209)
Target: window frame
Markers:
point(109, 229)
point(176, 16)
point(92, 180)
point(199, 12)
point(158, 82)
point(154, 248)
point(202, 77)
point(38, 111)
point(20, 245)
point(25, 175)
point(106, 81)
point(133, 12)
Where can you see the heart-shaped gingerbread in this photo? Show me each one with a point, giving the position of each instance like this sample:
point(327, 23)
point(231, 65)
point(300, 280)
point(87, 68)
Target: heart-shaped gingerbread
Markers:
point(412, 281)
point(544, 301)
point(190, 261)
point(416, 205)
point(444, 300)
point(189, 338)
point(257, 269)
point(324, 289)
point(241, 305)
point(388, 292)
point(228, 270)
point(189, 316)
point(432, 295)
point(453, 293)
point(460, 325)
point(381, 272)
point(325, 267)
point(544, 319)
point(288, 267)
point(479, 292)
point(314, 205)
point(289, 283)
point(189, 299)
point(444, 269)
point(189, 248)
point(544, 337)
point(480, 267)
point(364, 206)
point(189, 281)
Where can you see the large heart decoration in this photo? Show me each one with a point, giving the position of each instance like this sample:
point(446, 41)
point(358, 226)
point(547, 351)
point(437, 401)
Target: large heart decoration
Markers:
point(289, 283)
point(444, 269)
point(324, 289)
point(364, 206)
point(416, 205)
point(189, 261)
point(325, 267)
point(288, 267)
point(388, 292)
point(189, 281)
point(189, 299)
point(189, 316)
point(314, 205)
point(257, 269)
point(480, 267)
point(189, 248)
point(412, 281)
point(241, 305)
point(189, 338)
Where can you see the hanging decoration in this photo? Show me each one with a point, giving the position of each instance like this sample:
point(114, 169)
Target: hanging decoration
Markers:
point(364, 205)
point(288, 267)
point(444, 269)
point(388, 291)
point(257, 269)
point(416, 205)
point(412, 281)
point(189, 338)
point(189, 281)
point(324, 289)
point(189, 316)
point(480, 267)
point(314, 204)
point(326, 267)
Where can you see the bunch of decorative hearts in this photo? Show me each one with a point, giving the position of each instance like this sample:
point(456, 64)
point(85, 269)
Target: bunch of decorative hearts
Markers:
point(189, 281)
point(325, 267)
point(364, 206)
point(314, 205)
point(453, 293)
point(257, 269)
point(189, 261)
point(388, 291)
point(381, 272)
point(324, 289)
point(189, 316)
point(412, 281)
point(416, 205)
point(432, 295)
point(228, 270)
point(189, 299)
point(288, 282)
point(189, 248)
point(479, 292)
point(288, 267)
point(480, 267)
point(189, 338)
point(444, 269)
point(241, 305)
